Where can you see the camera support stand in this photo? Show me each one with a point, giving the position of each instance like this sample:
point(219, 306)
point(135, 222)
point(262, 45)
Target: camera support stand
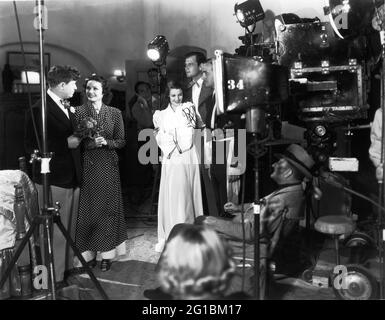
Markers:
point(47, 219)
point(255, 123)
point(256, 230)
point(49, 214)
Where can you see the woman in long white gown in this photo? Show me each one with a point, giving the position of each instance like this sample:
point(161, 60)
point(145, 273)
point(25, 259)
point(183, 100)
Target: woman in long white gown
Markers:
point(180, 198)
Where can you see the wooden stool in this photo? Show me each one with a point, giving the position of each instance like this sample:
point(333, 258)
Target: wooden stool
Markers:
point(335, 226)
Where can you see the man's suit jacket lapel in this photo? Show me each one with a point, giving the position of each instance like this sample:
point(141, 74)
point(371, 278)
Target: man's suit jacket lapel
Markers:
point(205, 104)
point(73, 120)
point(187, 94)
point(205, 93)
point(58, 115)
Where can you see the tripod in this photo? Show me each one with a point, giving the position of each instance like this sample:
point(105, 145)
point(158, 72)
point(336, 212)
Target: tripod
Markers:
point(49, 214)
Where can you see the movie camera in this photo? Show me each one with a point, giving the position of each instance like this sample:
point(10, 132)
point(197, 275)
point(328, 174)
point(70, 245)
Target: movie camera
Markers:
point(316, 73)
point(317, 76)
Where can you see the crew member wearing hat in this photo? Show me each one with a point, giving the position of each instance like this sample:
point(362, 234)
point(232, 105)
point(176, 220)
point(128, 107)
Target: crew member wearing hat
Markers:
point(280, 211)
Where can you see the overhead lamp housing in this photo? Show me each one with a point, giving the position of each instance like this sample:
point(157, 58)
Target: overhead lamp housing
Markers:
point(249, 12)
point(158, 49)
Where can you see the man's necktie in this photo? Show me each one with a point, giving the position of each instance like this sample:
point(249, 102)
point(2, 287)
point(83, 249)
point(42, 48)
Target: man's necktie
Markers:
point(192, 83)
point(66, 104)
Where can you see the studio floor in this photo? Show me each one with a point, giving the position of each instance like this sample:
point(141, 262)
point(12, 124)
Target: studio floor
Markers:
point(132, 274)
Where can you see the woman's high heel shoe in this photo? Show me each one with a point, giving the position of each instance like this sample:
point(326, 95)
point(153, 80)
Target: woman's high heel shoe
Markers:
point(105, 265)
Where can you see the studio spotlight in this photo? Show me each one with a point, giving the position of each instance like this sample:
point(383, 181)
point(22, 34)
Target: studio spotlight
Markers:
point(249, 12)
point(158, 49)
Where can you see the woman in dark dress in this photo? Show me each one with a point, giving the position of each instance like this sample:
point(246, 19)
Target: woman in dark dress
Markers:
point(100, 225)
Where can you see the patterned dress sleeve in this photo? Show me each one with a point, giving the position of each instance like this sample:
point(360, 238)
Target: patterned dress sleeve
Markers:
point(164, 139)
point(118, 141)
point(77, 114)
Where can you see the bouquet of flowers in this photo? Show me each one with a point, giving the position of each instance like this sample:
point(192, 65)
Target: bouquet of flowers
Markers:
point(87, 128)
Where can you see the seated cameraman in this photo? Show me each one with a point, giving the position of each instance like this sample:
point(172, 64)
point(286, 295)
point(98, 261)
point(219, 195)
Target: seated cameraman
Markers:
point(280, 211)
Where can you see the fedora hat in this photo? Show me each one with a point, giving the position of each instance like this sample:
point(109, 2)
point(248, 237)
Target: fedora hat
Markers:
point(299, 158)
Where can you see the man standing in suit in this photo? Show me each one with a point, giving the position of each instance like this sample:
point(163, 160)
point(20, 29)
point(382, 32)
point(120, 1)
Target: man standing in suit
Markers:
point(65, 165)
point(202, 98)
point(217, 168)
point(200, 95)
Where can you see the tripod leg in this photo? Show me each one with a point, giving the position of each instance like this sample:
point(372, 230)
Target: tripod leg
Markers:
point(48, 230)
point(257, 270)
point(18, 253)
point(80, 257)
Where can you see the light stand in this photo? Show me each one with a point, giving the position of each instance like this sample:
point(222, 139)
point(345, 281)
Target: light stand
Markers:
point(248, 14)
point(157, 51)
point(257, 211)
point(251, 48)
point(49, 214)
point(157, 169)
point(159, 83)
point(255, 120)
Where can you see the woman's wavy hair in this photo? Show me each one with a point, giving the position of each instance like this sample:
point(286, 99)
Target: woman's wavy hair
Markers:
point(195, 263)
point(106, 90)
point(173, 84)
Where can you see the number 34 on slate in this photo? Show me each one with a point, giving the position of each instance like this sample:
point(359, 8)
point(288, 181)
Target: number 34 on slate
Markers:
point(232, 84)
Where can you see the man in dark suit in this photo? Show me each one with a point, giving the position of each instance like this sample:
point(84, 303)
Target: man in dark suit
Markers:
point(217, 165)
point(202, 98)
point(65, 166)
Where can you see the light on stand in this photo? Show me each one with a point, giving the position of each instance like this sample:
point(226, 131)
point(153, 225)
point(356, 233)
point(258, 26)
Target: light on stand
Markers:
point(158, 49)
point(249, 12)
point(153, 54)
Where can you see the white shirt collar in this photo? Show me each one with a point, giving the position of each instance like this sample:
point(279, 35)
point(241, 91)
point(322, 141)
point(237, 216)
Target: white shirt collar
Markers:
point(196, 91)
point(97, 109)
point(54, 96)
point(57, 100)
point(199, 82)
